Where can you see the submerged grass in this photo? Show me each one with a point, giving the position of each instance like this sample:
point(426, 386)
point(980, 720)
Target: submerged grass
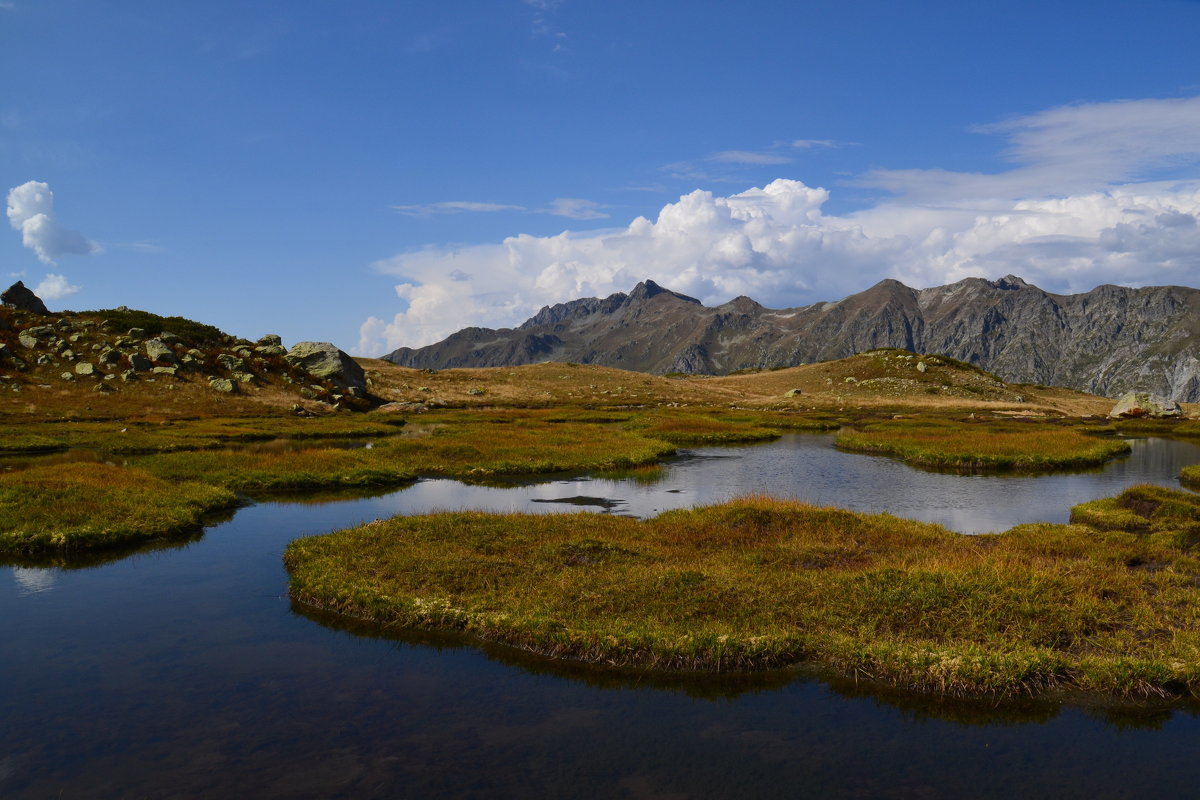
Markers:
point(78, 506)
point(991, 445)
point(758, 583)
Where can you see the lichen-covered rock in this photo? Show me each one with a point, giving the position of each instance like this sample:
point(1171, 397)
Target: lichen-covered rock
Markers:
point(231, 363)
point(157, 350)
point(223, 385)
point(324, 361)
point(270, 340)
point(168, 371)
point(793, 393)
point(139, 363)
point(85, 368)
point(1144, 404)
point(21, 298)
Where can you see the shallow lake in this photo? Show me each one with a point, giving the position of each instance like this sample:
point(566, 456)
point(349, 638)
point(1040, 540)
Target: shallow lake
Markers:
point(184, 672)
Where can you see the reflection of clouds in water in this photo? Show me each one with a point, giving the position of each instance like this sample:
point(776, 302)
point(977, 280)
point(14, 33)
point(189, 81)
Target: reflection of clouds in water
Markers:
point(33, 580)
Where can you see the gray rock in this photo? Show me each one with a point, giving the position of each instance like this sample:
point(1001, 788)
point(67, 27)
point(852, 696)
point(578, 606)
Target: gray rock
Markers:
point(270, 350)
point(136, 333)
point(19, 297)
point(128, 375)
point(169, 338)
point(231, 363)
point(170, 371)
point(244, 378)
point(110, 356)
point(271, 340)
point(139, 362)
point(921, 366)
point(157, 350)
point(1144, 404)
point(324, 361)
point(85, 368)
point(793, 393)
point(223, 385)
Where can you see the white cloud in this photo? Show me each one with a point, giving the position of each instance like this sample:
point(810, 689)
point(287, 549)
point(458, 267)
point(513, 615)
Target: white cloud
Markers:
point(54, 287)
point(454, 207)
point(777, 245)
point(809, 144)
point(576, 208)
point(748, 157)
point(31, 211)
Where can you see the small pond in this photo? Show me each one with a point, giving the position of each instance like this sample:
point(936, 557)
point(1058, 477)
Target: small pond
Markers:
point(183, 671)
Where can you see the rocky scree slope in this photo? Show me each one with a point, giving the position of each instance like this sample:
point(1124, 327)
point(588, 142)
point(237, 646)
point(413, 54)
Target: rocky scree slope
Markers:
point(1107, 341)
point(118, 349)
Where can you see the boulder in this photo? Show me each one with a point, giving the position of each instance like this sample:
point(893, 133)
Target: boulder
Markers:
point(139, 362)
point(324, 361)
point(20, 298)
point(231, 363)
point(157, 350)
point(1144, 404)
point(85, 368)
point(270, 340)
point(223, 385)
point(793, 393)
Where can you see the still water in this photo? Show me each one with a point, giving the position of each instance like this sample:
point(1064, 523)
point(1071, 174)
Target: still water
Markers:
point(184, 672)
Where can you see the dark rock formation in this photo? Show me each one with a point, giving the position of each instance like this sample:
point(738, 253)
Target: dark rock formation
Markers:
point(21, 298)
point(1109, 341)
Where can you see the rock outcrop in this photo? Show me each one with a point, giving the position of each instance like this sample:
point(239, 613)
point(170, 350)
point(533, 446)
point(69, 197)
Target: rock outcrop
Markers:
point(18, 296)
point(1133, 405)
point(324, 361)
point(1108, 341)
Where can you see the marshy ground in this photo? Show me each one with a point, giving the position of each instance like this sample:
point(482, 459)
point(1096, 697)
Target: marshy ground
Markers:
point(1107, 603)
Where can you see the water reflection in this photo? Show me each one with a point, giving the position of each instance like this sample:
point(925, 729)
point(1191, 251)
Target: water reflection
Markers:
point(807, 467)
point(33, 580)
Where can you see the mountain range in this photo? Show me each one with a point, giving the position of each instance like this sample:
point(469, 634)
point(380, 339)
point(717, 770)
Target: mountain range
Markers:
point(1107, 341)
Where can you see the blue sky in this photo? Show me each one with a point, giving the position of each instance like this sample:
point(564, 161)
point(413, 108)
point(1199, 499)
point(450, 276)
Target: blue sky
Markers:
point(380, 174)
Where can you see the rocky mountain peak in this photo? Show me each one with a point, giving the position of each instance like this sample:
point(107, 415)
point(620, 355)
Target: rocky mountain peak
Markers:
point(1109, 341)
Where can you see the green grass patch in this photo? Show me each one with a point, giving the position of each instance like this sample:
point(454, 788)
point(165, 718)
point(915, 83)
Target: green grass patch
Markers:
point(759, 583)
point(689, 428)
point(154, 324)
point(991, 445)
point(79, 506)
point(318, 468)
point(1190, 476)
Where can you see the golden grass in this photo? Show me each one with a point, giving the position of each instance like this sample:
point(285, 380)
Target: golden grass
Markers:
point(89, 505)
point(758, 583)
point(990, 445)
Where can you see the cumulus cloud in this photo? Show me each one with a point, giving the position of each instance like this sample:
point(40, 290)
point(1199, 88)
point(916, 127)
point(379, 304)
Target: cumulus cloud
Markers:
point(31, 211)
point(54, 287)
point(777, 244)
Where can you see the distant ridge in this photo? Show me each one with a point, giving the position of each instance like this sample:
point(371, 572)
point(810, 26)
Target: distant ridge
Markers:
point(1106, 341)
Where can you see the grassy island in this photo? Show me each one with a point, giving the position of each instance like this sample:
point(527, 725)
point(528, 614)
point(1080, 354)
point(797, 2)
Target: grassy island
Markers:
point(758, 583)
point(991, 445)
point(1190, 476)
point(89, 505)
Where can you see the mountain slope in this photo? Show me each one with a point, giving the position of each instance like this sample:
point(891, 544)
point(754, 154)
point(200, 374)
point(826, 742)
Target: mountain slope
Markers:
point(1107, 341)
